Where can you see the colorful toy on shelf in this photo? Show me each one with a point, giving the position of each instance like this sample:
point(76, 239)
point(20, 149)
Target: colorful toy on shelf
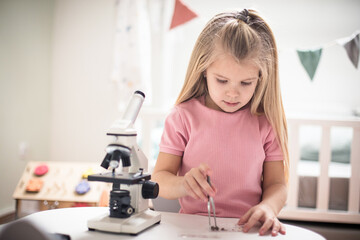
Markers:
point(34, 185)
point(41, 170)
point(82, 188)
point(81, 204)
point(88, 172)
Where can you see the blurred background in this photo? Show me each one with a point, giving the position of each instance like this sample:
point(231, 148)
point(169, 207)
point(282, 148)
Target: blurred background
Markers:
point(68, 67)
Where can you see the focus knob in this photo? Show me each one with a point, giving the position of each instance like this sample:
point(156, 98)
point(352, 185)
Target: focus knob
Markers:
point(150, 190)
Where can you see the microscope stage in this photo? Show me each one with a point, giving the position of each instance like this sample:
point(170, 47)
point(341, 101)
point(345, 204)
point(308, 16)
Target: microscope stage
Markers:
point(121, 178)
point(132, 225)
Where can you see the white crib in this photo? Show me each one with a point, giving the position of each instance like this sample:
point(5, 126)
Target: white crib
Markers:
point(150, 120)
point(321, 212)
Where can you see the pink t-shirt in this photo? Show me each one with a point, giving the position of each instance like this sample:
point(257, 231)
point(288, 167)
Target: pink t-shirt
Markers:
point(234, 145)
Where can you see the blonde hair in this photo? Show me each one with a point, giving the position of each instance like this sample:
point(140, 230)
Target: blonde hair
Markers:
point(244, 35)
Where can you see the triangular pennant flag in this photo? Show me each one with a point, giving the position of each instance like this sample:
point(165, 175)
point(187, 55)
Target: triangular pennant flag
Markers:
point(310, 60)
point(352, 47)
point(182, 14)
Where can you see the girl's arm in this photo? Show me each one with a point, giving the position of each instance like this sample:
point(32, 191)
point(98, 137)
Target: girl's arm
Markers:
point(165, 174)
point(172, 186)
point(273, 200)
point(274, 186)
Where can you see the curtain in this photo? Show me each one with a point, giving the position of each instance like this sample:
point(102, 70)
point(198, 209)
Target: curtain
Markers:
point(132, 50)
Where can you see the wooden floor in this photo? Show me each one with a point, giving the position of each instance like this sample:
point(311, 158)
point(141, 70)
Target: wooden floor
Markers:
point(7, 218)
point(329, 231)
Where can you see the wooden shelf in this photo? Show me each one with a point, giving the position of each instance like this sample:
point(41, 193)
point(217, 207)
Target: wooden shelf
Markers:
point(59, 185)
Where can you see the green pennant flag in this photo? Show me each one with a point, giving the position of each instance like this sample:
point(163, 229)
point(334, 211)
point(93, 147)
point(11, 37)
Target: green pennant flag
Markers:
point(310, 60)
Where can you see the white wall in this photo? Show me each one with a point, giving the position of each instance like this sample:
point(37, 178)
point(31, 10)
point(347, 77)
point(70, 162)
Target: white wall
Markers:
point(25, 36)
point(83, 98)
point(296, 25)
point(56, 94)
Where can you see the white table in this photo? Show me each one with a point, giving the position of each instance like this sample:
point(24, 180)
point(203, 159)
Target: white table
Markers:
point(73, 221)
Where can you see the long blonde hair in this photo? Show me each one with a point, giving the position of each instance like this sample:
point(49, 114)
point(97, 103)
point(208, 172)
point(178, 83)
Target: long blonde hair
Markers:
point(244, 35)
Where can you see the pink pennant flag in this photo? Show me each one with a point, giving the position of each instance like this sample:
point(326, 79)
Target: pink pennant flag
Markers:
point(182, 14)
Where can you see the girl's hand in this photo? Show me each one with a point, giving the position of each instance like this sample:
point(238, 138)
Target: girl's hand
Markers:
point(264, 214)
point(195, 183)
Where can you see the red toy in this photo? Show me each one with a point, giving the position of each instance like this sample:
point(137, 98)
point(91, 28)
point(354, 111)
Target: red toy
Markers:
point(41, 170)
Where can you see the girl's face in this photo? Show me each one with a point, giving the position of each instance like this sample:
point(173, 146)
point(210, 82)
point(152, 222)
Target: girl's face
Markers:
point(231, 85)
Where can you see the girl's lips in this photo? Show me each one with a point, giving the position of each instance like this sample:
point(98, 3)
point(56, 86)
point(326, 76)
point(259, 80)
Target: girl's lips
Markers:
point(231, 104)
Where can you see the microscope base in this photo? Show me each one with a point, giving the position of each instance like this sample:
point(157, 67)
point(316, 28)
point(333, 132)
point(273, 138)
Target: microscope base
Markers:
point(132, 225)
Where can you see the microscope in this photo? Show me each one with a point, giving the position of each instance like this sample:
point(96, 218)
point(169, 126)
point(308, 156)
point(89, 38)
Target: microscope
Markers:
point(131, 189)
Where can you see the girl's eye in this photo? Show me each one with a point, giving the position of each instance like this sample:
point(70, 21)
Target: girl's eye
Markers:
point(221, 81)
point(246, 83)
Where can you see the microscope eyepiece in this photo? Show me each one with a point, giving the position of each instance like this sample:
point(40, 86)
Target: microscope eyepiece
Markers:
point(133, 107)
point(140, 92)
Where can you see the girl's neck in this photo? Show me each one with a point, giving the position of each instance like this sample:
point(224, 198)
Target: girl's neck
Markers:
point(210, 103)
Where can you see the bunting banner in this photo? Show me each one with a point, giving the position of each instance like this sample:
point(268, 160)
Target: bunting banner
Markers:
point(310, 60)
point(351, 45)
point(181, 15)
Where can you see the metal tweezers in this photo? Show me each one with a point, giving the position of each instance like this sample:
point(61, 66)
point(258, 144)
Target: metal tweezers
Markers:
point(211, 201)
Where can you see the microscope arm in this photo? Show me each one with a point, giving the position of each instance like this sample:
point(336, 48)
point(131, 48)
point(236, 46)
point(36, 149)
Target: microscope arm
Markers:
point(124, 146)
point(125, 125)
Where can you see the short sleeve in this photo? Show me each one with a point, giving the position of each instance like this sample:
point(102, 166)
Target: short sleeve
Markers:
point(174, 137)
point(272, 149)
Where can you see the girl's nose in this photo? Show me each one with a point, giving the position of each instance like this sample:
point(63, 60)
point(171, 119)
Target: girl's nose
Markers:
point(232, 92)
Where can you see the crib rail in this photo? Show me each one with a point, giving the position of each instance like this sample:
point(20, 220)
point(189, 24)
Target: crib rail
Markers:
point(322, 212)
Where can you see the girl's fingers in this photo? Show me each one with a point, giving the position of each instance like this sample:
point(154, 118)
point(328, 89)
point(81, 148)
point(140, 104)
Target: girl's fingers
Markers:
point(275, 228)
point(205, 185)
point(195, 187)
point(189, 191)
point(200, 184)
point(205, 169)
point(282, 229)
point(245, 217)
point(269, 221)
point(275, 225)
point(254, 218)
point(267, 225)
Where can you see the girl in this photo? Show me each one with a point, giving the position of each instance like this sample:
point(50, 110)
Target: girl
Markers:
point(229, 124)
